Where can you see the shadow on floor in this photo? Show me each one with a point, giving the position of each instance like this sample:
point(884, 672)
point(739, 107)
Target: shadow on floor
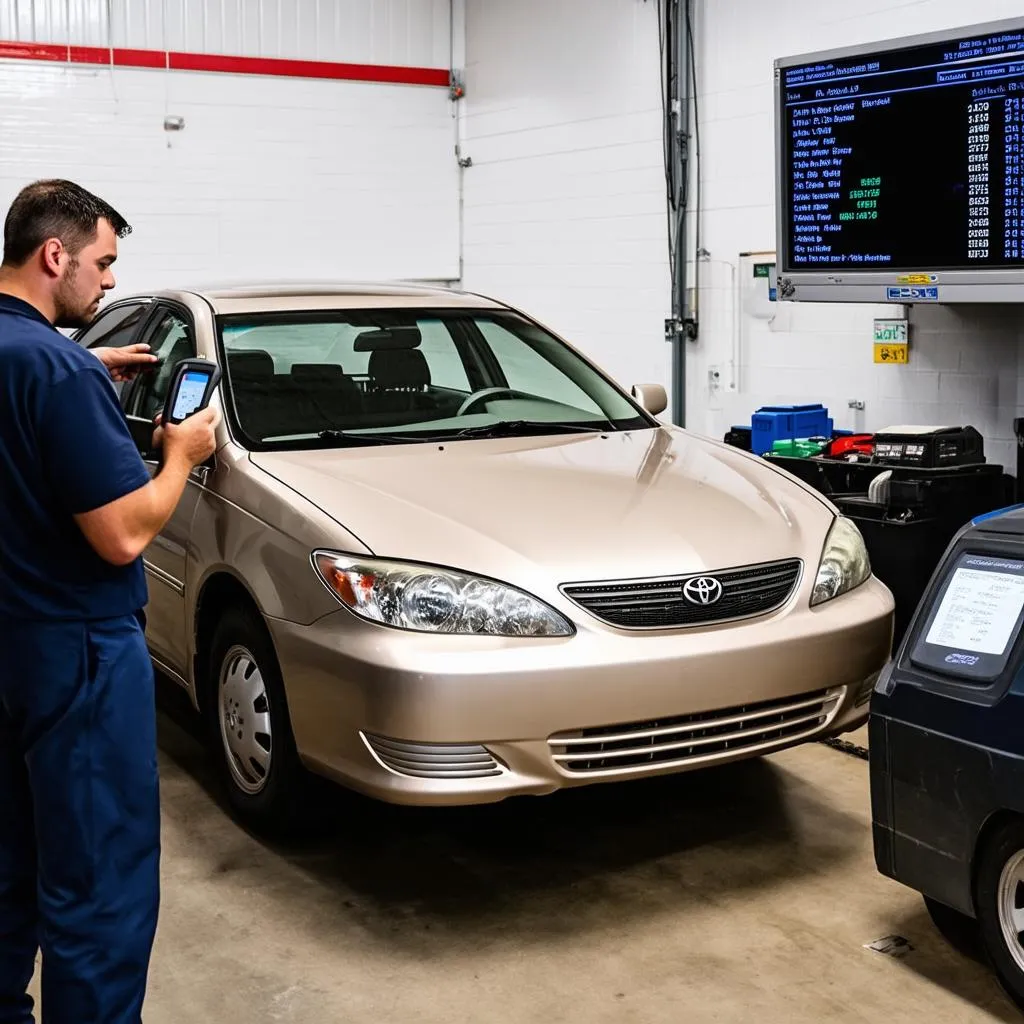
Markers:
point(960, 969)
point(528, 869)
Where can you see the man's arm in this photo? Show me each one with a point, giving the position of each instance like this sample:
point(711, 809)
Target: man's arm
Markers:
point(121, 530)
point(96, 472)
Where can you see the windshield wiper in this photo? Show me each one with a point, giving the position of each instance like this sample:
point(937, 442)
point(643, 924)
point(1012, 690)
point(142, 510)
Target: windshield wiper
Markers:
point(525, 428)
point(507, 428)
point(356, 440)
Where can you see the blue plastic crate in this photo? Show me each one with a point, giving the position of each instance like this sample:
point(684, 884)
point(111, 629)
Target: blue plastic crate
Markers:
point(773, 423)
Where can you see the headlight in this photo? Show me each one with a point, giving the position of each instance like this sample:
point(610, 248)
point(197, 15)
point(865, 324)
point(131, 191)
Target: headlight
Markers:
point(434, 600)
point(844, 562)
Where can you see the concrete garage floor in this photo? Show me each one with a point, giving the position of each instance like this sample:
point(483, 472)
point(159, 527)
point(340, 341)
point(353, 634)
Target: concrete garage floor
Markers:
point(742, 893)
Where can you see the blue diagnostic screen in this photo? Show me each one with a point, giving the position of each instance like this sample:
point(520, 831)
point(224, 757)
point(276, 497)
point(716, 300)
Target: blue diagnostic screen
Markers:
point(190, 394)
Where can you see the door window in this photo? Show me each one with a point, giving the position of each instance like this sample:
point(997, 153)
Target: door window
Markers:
point(171, 341)
point(114, 328)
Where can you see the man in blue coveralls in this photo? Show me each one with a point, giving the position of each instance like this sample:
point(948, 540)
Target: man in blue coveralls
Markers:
point(79, 811)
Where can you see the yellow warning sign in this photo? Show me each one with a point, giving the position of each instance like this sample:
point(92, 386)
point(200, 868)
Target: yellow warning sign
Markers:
point(888, 352)
point(916, 279)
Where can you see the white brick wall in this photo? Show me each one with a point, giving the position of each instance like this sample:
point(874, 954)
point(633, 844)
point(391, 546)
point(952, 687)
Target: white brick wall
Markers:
point(272, 177)
point(964, 363)
point(565, 201)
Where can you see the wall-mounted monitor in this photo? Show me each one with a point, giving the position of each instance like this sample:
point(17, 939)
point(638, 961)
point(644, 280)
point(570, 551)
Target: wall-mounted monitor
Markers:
point(900, 169)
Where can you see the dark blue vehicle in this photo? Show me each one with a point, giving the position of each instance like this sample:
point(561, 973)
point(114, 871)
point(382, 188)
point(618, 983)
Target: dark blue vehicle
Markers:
point(947, 746)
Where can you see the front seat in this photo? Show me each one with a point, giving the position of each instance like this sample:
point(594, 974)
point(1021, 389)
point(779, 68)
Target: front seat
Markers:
point(400, 378)
point(264, 402)
point(335, 396)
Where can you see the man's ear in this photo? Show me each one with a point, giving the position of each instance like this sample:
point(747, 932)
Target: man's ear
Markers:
point(53, 255)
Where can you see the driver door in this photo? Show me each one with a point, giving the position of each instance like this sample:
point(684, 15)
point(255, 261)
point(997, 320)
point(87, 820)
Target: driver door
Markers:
point(171, 338)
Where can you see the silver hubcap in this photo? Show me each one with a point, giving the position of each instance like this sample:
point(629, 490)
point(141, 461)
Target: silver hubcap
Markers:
point(1011, 906)
point(245, 720)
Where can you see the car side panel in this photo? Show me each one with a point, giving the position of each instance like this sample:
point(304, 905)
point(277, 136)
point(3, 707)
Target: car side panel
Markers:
point(251, 526)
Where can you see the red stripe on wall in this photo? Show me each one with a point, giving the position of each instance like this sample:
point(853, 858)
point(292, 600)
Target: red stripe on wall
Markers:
point(223, 64)
point(307, 69)
point(89, 55)
point(33, 51)
point(140, 58)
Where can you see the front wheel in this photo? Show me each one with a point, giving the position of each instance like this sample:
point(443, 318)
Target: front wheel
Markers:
point(250, 731)
point(1000, 905)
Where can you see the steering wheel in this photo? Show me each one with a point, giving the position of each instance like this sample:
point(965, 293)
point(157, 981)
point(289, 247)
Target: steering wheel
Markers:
point(487, 393)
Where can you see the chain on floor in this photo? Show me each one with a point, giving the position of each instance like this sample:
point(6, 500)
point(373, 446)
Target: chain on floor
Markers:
point(846, 747)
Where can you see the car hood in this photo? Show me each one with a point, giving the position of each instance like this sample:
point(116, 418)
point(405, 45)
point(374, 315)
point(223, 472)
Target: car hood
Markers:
point(562, 509)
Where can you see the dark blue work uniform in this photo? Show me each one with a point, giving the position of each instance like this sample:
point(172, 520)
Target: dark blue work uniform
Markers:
point(79, 805)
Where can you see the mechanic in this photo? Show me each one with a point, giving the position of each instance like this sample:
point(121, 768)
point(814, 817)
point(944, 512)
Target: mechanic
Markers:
point(79, 808)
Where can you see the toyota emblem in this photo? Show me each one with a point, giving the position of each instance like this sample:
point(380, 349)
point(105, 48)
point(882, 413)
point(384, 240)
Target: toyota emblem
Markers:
point(702, 590)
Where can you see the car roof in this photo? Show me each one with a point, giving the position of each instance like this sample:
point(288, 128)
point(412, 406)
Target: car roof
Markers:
point(282, 296)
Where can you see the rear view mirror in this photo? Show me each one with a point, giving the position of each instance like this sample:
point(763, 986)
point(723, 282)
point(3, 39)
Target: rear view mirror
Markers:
point(390, 338)
point(652, 397)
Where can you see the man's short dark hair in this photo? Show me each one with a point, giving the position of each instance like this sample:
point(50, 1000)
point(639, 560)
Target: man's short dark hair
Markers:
point(55, 208)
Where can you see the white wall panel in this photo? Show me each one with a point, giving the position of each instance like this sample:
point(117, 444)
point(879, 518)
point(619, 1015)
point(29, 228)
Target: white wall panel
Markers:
point(965, 364)
point(403, 32)
point(87, 23)
point(271, 178)
point(565, 201)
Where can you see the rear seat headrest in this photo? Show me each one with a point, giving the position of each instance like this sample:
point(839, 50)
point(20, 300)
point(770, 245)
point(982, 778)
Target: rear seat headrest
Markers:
point(310, 373)
point(399, 368)
point(253, 365)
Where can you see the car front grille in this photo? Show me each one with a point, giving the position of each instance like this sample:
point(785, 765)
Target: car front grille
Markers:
point(703, 737)
point(660, 604)
point(434, 760)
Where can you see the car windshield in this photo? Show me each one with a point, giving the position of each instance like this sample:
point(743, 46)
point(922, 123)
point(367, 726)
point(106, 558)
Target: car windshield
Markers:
point(380, 376)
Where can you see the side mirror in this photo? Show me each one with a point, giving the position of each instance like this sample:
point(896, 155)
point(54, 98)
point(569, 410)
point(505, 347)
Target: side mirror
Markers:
point(652, 397)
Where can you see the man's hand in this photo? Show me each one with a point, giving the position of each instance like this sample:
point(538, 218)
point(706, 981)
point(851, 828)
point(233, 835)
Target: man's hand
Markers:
point(193, 440)
point(158, 431)
point(123, 364)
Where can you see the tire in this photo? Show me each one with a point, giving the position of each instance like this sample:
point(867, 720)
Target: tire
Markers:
point(250, 732)
point(959, 930)
point(999, 899)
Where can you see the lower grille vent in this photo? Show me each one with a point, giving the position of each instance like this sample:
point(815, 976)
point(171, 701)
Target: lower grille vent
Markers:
point(434, 760)
point(699, 737)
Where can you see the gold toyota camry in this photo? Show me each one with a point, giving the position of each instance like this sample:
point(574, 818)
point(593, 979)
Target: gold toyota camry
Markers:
point(441, 558)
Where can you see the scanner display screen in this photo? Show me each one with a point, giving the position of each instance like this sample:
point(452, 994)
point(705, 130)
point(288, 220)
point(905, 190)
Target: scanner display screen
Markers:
point(190, 394)
point(974, 623)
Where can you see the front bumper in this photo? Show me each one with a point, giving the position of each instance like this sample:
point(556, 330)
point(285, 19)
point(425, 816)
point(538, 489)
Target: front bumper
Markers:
point(352, 685)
